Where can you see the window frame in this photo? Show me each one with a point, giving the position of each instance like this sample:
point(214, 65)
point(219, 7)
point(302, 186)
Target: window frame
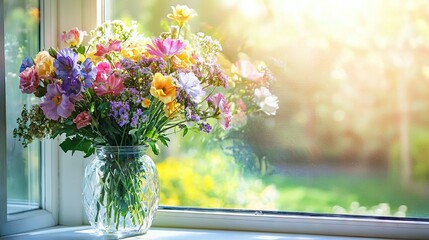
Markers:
point(48, 214)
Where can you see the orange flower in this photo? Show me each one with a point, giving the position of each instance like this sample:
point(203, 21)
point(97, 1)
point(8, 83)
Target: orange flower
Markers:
point(163, 88)
point(184, 59)
point(146, 103)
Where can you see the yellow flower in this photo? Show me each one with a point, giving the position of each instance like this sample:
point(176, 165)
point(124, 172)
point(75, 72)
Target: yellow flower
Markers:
point(184, 59)
point(81, 57)
point(134, 50)
point(44, 64)
point(146, 103)
point(171, 108)
point(181, 14)
point(163, 88)
point(94, 59)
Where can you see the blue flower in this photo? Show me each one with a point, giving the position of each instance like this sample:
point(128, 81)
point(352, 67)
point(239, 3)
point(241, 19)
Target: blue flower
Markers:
point(88, 73)
point(71, 86)
point(66, 64)
point(27, 62)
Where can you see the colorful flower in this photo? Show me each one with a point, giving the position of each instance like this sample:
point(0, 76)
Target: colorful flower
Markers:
point(88, 73)
point(102, 50)
point(163, 88)
point(219, 102)
point(71, 86)
point(136, 117)
point(44, 64)
point(83, 119)
point(266, 101)
point(190, 83)
point(248, 71)
point(28, 80)
point(120, 112)
point(165, 47)
point(171, 109)
point(56, 103)
point(181, 14)
point(67, 69)
point(26, 63)
point(106, 81)
point(134, 50)
point(73, 38)
point(184, 59)
point(146, 103)
point(66, 64)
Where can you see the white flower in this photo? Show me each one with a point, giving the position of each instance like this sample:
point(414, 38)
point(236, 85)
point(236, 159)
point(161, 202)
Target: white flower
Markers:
point(266, 101)
point(190, 83)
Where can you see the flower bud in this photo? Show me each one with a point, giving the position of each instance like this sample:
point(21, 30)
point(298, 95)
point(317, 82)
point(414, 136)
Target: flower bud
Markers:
point(174, 31)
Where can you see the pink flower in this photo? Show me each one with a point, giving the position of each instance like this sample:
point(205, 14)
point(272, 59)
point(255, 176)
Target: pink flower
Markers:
point(56, 103)
point(73, 37)
point(218, 100)
point(82, 120)
point(105, 49)
point(247, 70)
point(165, 47)
point(106, 81)
point(28, 80)
point(240, 118)
point(241, 105)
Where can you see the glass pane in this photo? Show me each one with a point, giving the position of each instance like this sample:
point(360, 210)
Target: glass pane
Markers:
point(351, 135)
point(21, 26)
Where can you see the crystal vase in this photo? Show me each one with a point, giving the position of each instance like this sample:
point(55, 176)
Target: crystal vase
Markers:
point(121, 190)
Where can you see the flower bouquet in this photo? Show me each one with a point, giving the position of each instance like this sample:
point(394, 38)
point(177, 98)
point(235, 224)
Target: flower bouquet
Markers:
point(119, 94)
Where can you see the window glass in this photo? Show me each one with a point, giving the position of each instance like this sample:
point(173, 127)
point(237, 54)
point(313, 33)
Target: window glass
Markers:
point(22, 34)
point(351, 135)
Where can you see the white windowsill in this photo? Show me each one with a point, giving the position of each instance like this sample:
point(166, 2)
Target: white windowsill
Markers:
point(85, 232)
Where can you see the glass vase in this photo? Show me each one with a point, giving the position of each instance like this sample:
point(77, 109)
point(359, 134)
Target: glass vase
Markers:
point(121, 190)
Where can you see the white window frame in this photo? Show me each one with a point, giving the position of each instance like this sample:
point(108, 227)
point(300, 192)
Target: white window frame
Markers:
point(48, 214)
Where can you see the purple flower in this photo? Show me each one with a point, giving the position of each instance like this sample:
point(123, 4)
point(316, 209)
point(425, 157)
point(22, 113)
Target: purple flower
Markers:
point(190, 115)
point(71, 86)
point(88, 73)
point(219, 76)
point(26, 63)
point(190, 83)
point(205, 127)
point(66, 64)
point(119, 112)
point(165, 47)
point(136, 116)
point(56, 103)
point(68, 70)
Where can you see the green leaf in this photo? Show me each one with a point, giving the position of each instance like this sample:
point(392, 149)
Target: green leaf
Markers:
point(134, 138)
point(152, 133)
point(81, 49)
point(164, 140)
point(154, 147)
point(78, 144)
point(185, 131)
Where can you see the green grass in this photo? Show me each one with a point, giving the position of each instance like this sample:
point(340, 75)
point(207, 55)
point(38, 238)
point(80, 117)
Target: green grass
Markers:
point(322, 193)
